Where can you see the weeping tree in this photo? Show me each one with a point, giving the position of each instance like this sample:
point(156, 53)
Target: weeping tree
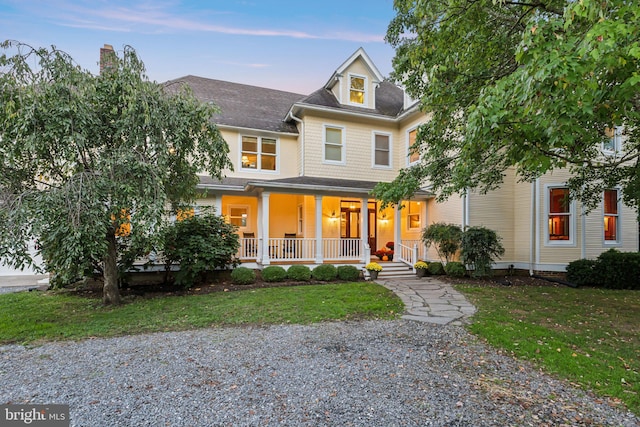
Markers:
point(90, 163)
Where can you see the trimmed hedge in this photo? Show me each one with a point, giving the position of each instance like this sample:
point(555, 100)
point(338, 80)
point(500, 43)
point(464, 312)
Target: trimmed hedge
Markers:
point(274, 273)
point(436, 268)
point(455, 269)
point(612, 270)
point(243, 276)
point(299, 272)
point(348, 273)
point(325, 272)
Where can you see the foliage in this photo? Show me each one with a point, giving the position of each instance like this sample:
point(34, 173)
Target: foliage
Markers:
point(243, 276)
point(480, 247)
point(589, 336)
point(28, 317)
point(324, 272)
point(83, 156)
point(618, 270)
point(373, 266)
point(455, 269)
point(299, 272)
point(274, 273)
point(436, 268)
point(199, 244)
point(533, 86)
point(445, 237)
point(390, 245)
point(582, 272)
point(348, 273)
point(421, 265)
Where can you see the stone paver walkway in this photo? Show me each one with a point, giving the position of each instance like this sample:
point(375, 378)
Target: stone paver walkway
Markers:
point(428, 299)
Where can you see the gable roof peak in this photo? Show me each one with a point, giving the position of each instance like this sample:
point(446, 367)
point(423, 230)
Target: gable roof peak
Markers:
point(360, 53)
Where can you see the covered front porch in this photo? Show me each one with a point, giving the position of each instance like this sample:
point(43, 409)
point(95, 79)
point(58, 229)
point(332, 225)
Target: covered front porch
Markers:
point(318, 220)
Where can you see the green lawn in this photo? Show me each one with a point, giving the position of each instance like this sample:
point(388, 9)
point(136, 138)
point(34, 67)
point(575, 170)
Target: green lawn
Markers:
point(28, 317)
point(589, 336)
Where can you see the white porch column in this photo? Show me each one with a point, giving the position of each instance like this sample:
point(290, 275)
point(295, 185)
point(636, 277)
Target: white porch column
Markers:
point(364, 231)
point(319, 242)
point(263, 224)
point(397, 224)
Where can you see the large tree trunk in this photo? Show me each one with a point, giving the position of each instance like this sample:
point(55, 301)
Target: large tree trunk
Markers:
point(110, 291)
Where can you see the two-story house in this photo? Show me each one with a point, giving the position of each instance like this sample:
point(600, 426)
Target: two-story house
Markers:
point(304, 167)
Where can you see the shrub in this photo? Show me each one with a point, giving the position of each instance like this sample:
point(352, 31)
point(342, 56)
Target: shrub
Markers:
point(436, 268)
point(348, 273)
point(455, 269)
point(619, 270)
point(274, 273)
point(583, 272)
point(243, 276)
point(480, 246)
point(199, 244)
point(299, 272)
point(325, 272)
point(445, 237)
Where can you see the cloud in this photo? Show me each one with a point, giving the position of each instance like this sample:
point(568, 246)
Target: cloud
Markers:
point(154, 18)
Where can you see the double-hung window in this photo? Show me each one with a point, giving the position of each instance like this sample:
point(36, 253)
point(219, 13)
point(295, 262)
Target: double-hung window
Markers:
point(357, 94)
point(560, 215)
point(611, 212)
point(413, 156)
point(382, 150)
point(613, 144)
point(334, 144)
point(259, 153)
point(238, 215)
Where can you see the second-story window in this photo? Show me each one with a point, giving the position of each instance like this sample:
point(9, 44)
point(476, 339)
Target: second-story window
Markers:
point(259, 153)
point(414, 156)
point(614, 141)
point(333, 144)
point(381, 150)
point(356, 90)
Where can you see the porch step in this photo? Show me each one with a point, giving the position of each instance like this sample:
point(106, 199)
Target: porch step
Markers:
point(395, 269)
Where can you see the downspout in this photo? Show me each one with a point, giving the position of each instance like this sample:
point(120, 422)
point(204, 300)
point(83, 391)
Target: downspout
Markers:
point(583, 234)
point(296, 119)
point(532, 245)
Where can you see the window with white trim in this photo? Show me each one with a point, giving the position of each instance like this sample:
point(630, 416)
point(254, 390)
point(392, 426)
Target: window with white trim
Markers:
point(382, 149)
point(414, 217)
point(357, 93)
point(413, 156)
point(611, 216)
point(238, 215)
point(614, 141)
point(259, 153)
point(560, 215)
point(334, 144)
point(300, 220)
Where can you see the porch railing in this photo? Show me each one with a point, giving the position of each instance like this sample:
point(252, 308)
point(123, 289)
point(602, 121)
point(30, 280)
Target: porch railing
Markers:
point(292, 249)
point(341, 249)
point(422, 250)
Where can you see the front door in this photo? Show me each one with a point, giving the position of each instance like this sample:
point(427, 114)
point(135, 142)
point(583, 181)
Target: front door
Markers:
point(350, 222)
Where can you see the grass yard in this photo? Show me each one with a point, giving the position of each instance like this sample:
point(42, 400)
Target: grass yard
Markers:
point(28, 317)
point(589, 336)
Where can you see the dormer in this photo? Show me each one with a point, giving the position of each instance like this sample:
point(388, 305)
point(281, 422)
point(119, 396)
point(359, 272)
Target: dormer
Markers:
point(354, 83)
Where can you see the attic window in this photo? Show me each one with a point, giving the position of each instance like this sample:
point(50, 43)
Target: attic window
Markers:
point(356, 89)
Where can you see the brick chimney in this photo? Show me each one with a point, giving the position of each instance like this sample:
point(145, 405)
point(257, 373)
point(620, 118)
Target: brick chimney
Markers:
point(106, 57)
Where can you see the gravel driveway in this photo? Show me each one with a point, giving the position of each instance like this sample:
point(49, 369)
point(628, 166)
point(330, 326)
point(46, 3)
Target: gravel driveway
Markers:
point(373, 373)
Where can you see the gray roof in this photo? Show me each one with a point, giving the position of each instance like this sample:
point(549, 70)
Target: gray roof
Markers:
point(389, 100)
point(244, 106)
point(299, 184)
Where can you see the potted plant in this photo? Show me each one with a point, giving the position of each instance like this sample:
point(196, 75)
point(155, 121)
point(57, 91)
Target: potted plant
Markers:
point(421, 268)
point(373, 268)
point(384, 254)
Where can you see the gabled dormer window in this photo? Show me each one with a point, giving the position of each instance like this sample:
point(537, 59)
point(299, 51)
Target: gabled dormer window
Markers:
point(357, 92)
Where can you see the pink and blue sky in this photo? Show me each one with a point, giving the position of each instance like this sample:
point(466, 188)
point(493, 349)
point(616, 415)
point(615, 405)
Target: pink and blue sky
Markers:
point(291, 45)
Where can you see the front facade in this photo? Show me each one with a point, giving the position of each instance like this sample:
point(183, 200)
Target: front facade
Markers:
point(304, 167)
